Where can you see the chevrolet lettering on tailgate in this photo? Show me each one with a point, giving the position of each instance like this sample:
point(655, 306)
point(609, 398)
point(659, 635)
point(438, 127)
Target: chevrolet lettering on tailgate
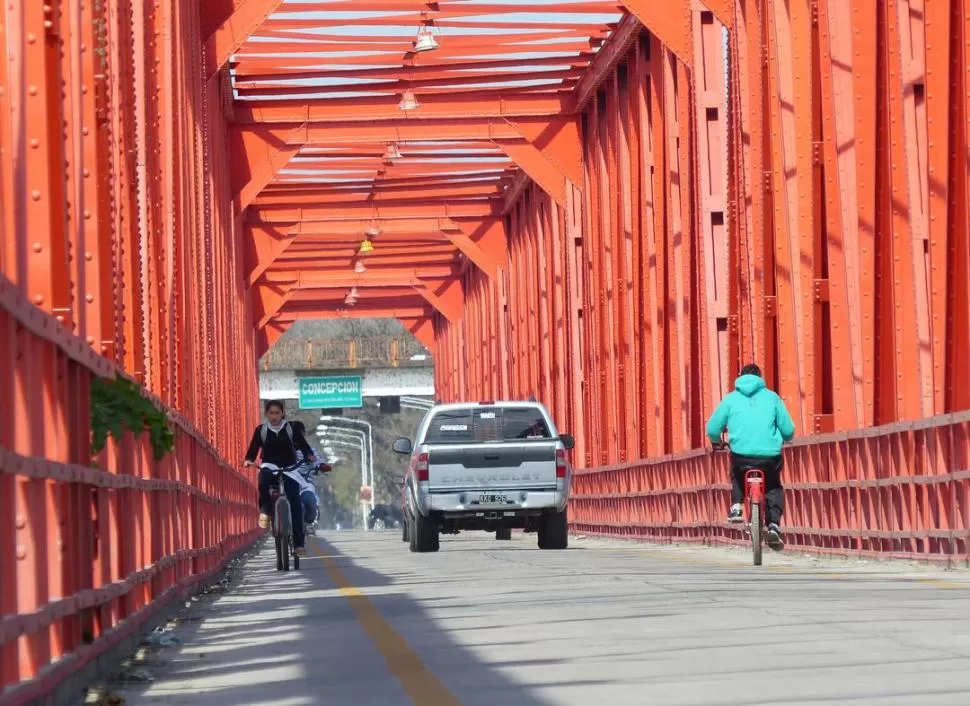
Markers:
point(489, 478)
point(488, 466)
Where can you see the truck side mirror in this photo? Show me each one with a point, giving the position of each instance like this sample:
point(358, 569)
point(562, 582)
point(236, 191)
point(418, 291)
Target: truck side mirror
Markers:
point(402, 446)
point(568, 440)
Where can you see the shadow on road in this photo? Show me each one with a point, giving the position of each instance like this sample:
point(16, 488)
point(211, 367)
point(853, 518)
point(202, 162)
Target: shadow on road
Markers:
point(300, 638)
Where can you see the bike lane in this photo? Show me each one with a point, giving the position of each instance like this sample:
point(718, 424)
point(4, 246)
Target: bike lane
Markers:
point(287, 639)
point(485, 622)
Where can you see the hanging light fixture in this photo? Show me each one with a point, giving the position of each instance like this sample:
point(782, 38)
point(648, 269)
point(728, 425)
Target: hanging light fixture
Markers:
point(391, 152)
point(359, 267)
point(408, 100)
point(374, 230)
point(353, 292)
point(366, 247)
point(425, 40)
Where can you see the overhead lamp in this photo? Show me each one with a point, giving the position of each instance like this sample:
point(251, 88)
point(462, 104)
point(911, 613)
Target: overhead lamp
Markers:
point(425, 40)
point(408, 100)
point(366, 246)
point(353, 292)
point(391, 152)
point(374, 230)
point(359, 267)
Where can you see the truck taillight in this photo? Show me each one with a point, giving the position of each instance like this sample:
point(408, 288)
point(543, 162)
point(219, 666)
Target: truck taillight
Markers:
point(421, 467)
point(560, 463)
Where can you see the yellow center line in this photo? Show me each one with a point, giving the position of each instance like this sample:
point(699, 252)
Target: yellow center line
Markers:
point(423, 687)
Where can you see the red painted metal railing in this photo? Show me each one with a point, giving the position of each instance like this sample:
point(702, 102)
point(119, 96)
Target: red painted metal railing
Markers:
point(897, 491)
point(88, 555)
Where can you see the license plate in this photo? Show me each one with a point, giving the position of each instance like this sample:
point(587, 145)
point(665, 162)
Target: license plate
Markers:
point(492, 499)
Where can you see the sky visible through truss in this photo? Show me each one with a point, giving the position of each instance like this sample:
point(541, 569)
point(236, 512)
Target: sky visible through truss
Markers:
point(544, 16)
point(333, 29)
point(330, 24)
point(358, 58)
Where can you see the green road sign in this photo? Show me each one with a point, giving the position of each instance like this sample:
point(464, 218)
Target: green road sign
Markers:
point(330, 392)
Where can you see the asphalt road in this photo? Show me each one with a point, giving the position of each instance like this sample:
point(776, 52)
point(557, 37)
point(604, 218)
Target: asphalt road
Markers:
point(482, 623)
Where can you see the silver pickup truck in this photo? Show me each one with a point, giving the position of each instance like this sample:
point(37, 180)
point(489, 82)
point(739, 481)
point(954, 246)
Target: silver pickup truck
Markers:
point(492, 466)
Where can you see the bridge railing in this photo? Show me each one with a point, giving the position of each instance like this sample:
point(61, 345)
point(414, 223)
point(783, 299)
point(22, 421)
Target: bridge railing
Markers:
point(89, 554)
point(899, 491)
point(345, 353)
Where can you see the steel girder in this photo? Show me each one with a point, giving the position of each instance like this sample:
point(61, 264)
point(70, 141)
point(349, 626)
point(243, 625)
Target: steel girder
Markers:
point(118, 257)
point(789, 208)
point(615, 223)
point(305, 165)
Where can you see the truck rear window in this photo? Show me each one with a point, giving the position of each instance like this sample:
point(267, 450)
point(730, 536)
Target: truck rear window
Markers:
point(487, 424)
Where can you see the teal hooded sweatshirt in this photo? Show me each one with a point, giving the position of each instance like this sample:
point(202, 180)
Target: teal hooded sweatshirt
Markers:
point(756, 419)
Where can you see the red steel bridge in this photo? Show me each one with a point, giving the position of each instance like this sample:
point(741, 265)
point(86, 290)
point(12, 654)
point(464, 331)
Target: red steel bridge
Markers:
point(610, 205)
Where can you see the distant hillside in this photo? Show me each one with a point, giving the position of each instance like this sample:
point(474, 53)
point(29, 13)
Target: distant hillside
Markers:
point(345, 343)
point(343, 329)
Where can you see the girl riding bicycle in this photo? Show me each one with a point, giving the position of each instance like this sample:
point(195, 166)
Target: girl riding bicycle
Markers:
point(278, 442)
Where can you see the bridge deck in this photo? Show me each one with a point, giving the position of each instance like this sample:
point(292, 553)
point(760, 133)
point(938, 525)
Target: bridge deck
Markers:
point(365, 622)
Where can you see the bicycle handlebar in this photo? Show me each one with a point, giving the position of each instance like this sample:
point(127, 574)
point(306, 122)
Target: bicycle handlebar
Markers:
point(318, 466)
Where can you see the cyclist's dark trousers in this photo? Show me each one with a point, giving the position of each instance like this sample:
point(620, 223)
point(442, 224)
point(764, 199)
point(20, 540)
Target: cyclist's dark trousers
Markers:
point(292, 490)
point(774, 493)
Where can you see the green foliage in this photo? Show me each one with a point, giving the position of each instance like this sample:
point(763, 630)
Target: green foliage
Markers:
point(118, 406)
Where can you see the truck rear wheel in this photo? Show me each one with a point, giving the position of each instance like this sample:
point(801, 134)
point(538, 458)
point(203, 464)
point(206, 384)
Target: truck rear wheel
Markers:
point(554, 531)
point(412, 535)
point(425, 534)
point(503, 533)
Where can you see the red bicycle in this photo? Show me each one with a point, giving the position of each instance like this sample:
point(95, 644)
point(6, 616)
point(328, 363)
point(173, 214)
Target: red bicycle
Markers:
point(753, 505)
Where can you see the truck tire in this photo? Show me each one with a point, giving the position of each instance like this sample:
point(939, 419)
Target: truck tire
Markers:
point(554, 531)
point(503, 533)
point(404, 530)
point(425, 534)
point(412, 535)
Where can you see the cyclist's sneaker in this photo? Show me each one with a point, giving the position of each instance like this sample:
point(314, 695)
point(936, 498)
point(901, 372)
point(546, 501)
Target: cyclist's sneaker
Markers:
point(263, 520)
point(774, 538)
point(299, 551)
point(736, 513)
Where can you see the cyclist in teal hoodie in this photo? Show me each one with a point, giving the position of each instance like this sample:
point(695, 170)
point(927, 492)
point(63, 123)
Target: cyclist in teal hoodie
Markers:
point(758, 424)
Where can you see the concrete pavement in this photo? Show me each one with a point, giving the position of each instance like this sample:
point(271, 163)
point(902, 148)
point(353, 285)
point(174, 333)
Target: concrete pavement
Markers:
point(480, 623)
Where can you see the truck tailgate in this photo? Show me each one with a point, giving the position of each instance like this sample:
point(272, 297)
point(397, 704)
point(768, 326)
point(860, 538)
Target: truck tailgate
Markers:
point(500, 466)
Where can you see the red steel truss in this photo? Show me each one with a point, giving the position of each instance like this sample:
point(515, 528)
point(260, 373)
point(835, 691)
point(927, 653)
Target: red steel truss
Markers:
point(610, 205)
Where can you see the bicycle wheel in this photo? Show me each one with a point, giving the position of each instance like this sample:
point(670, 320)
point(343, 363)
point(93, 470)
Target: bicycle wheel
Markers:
point(283, 524)
point(756, 532)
